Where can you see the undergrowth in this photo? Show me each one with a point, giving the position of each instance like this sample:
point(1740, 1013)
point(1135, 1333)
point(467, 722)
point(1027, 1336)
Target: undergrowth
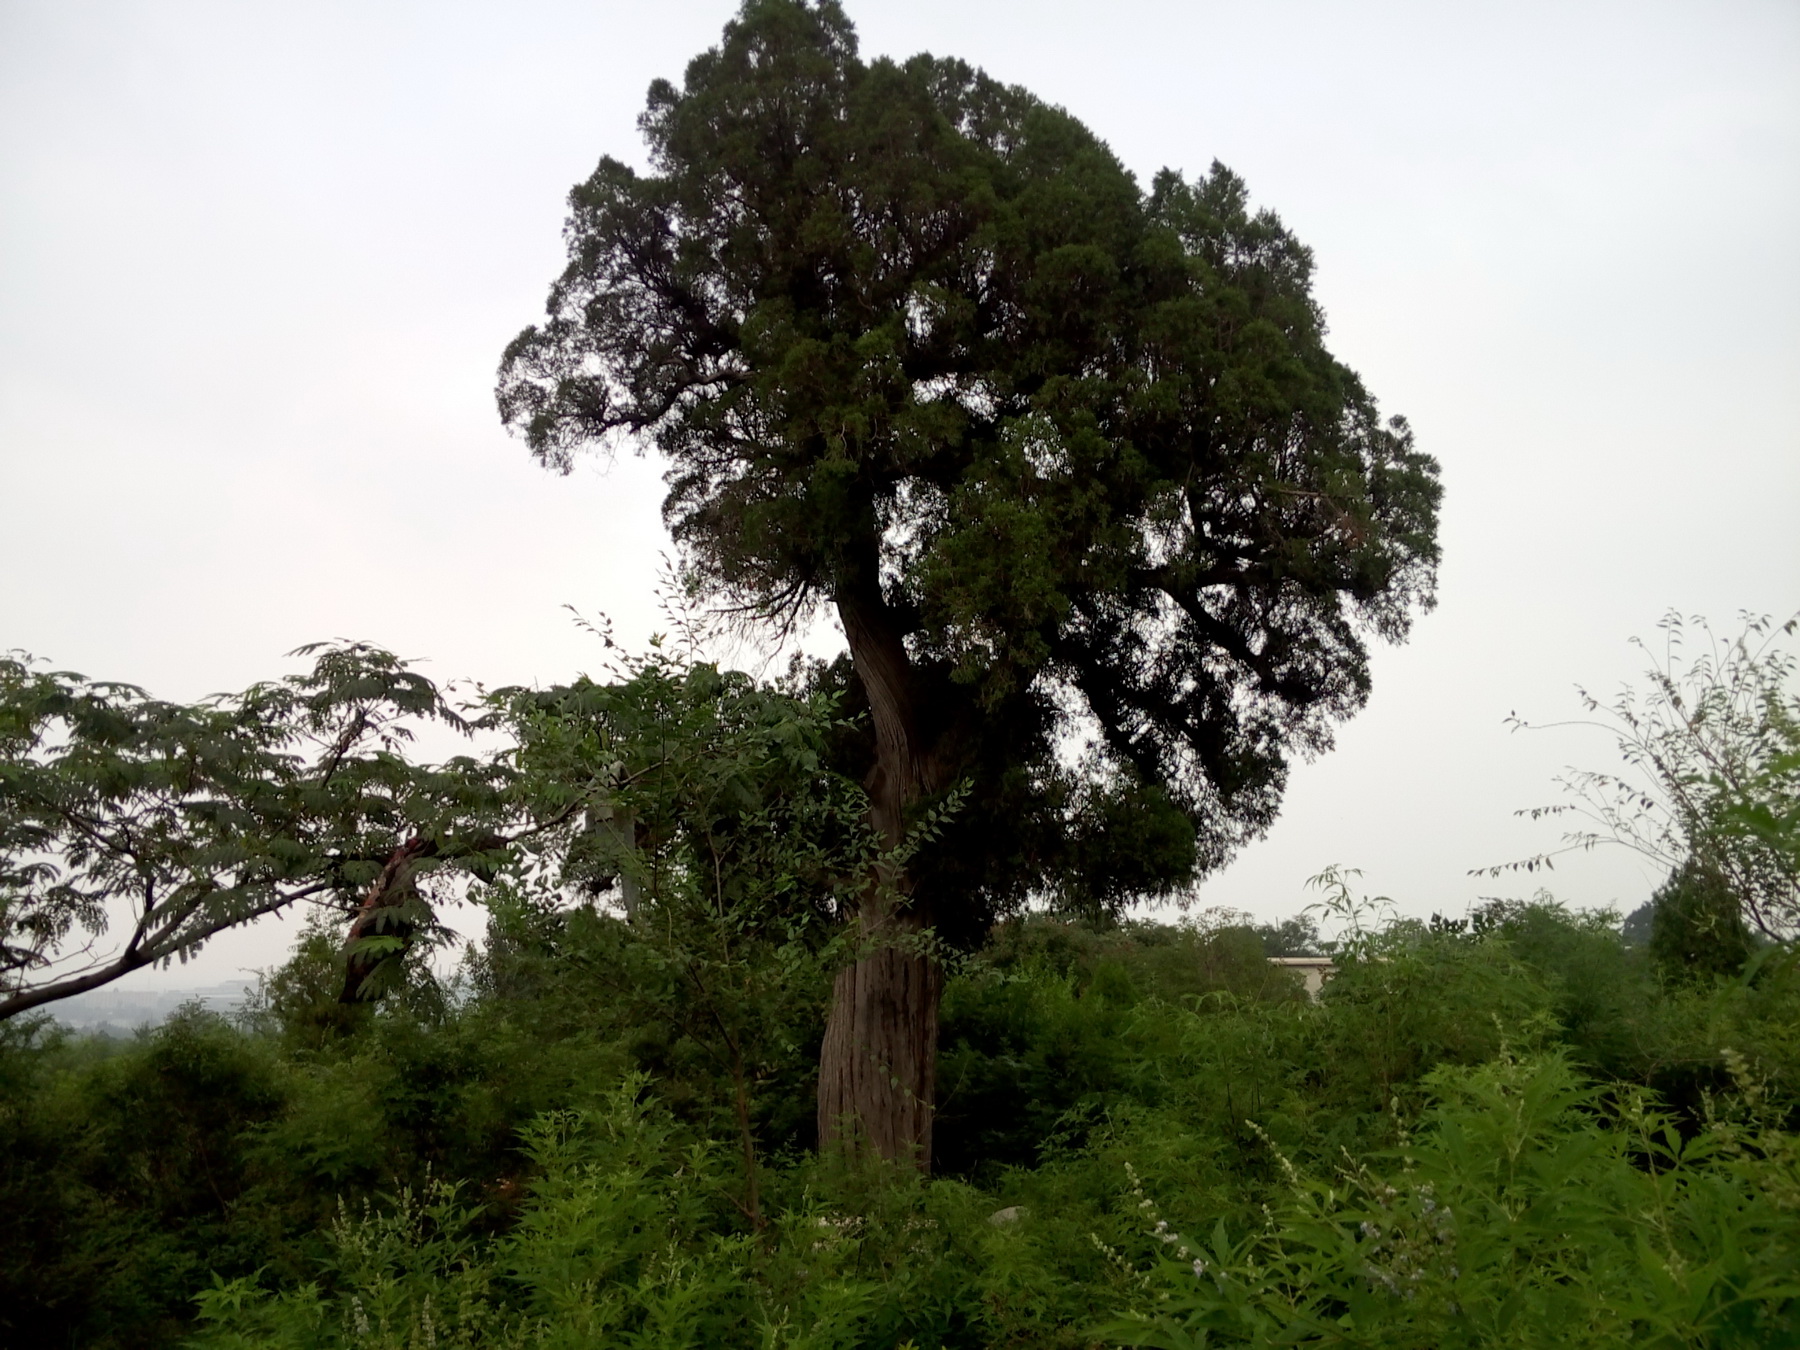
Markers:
point(1516, 1134)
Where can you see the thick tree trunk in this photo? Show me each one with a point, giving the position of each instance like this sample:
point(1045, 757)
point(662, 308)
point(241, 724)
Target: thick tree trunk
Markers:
point(878, 1066)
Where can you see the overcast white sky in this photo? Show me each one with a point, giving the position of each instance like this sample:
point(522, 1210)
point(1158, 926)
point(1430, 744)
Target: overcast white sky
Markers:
point(258, 262)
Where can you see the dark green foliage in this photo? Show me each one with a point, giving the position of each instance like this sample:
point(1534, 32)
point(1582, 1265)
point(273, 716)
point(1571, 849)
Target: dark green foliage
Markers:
point(128, 1176)
point(1048, 1032)
point(598, 1130)
point(553, 1155)
point(1298, 936)
point(1524, 1212)
point(1600, 986)
point(1697, 928)
point(731, 847)
point(1058, 451)
point(300, 1001)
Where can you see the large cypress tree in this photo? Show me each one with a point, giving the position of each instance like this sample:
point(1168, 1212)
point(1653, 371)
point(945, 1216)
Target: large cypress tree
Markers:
point(1105, 525)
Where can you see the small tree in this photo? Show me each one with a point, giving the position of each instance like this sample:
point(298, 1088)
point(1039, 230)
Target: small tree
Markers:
point(1697, 928)
point(174, 822)
point(1067, 461)
point(1711, 787)
point(726, 840)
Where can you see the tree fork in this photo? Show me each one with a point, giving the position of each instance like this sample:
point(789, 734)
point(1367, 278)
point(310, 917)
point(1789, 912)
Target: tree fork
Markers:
point(392, 887)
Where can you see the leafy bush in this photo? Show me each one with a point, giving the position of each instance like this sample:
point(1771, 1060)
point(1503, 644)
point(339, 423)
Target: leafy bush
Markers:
point(128, 1175)
point(542, 1153)
point(1528, 1212)
point(1711, 787)
point(1697, 931)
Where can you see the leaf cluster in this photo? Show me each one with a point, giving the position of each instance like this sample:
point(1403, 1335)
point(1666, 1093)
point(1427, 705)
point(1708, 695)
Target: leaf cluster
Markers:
point(177, 821)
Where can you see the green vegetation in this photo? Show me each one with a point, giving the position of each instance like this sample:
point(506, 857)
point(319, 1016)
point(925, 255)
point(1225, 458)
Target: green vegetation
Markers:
point(809, 1013)
point(183, 820)
point(1709, 786)
point(1516, 1127)
point(1513, 1134)
point(1065, 457)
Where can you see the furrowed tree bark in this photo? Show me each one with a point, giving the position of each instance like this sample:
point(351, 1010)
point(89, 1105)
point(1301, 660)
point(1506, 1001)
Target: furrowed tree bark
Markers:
point(878, 1065)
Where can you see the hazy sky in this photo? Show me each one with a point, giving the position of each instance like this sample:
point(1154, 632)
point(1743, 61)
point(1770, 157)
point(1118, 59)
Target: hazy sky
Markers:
point(258, 262)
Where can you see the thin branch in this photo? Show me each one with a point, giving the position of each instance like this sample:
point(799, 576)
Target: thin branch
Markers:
point(27, 999)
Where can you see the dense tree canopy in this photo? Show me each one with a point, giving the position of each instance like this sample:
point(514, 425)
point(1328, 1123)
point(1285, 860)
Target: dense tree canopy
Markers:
point(917, 346)
point(1105, 525)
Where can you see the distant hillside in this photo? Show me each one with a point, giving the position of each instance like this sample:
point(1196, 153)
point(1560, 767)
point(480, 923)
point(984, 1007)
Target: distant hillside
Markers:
point(119, 1011)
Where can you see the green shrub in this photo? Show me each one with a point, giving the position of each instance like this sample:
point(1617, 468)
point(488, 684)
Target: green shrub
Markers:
point(129, 1173)
point(551, 1155)
point(1697, 928)
point(1526, 1213)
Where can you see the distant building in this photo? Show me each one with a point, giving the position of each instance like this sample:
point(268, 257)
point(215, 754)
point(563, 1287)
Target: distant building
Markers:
point(1313, 970)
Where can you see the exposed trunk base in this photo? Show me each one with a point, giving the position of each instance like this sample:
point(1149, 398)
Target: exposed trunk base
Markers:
point(878, 1066)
